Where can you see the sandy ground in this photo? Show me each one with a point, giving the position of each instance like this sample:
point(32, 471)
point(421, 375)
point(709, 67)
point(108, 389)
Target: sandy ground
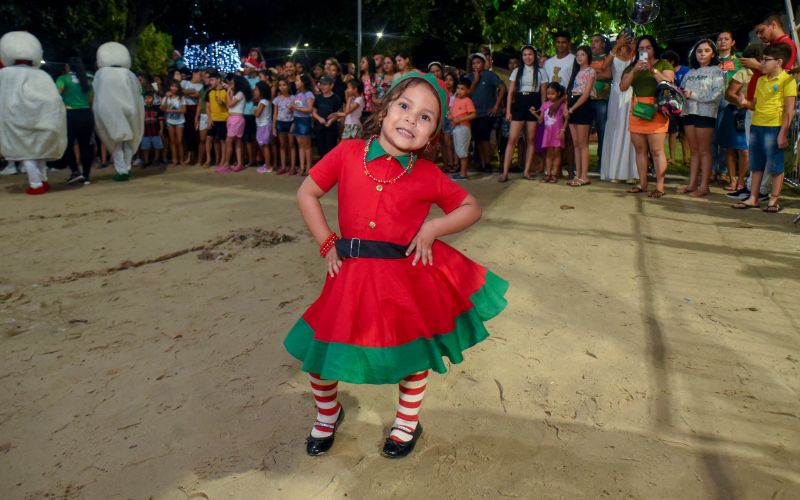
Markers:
point(650, 349)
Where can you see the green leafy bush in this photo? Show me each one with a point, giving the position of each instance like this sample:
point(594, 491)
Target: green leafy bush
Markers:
point(152, 51)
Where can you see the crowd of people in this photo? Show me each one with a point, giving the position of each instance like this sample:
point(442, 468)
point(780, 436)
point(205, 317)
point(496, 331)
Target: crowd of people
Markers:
point(542, 115)
point(398, 321)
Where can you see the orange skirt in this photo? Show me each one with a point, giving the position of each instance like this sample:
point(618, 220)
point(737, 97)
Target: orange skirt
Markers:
point(658, 125)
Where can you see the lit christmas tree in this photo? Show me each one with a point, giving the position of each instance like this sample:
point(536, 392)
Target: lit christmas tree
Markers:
point(199, 51)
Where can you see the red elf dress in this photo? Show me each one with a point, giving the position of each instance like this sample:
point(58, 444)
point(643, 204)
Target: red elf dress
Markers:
point(380, 320)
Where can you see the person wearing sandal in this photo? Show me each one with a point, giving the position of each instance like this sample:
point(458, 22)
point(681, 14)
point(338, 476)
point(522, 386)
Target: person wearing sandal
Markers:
point(527, 85)
point(648, 127)
point(703, 87)
point(580, 112)
point(553, 120)
point(773, 111)
point(461, 114)
point(735, 124)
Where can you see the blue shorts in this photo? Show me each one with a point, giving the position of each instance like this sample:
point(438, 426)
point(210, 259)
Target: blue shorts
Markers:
point(302, 126)
point(727, 135)
point(447, 126)
point(764, 151)
point(151, 142)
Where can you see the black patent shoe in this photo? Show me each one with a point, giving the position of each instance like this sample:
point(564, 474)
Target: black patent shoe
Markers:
point(318, 446)
point(396, 449)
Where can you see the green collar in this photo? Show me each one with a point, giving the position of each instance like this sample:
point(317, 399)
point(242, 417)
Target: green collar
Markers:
point(376, 151)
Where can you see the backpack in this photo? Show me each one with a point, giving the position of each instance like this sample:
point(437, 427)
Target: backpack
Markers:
point(669, 99)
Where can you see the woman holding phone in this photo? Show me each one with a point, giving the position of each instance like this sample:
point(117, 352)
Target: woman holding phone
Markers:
point(648, 127)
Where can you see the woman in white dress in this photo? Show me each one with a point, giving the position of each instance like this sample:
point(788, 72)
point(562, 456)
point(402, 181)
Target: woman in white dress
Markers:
point(619, 158)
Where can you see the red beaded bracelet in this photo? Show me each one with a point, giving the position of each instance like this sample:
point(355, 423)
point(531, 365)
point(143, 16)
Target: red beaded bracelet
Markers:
point(329, 243)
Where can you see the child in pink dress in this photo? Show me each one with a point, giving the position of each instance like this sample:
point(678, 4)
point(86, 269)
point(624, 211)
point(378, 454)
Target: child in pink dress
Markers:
point(552, 116)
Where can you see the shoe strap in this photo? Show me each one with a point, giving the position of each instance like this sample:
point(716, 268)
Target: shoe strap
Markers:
point(324, 424)
point(404, 429)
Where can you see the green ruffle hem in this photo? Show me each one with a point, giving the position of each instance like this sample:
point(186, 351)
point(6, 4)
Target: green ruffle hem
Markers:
point(388, 365)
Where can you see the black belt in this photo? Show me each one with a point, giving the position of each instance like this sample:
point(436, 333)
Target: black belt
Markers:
point(354, 248)
point(527, 93)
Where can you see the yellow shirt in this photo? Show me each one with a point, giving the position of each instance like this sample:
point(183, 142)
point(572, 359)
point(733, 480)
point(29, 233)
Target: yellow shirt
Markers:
point(771, 94)
point(218, 112)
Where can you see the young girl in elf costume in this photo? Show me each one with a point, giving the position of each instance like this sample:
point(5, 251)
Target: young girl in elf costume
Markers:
point(396, 299)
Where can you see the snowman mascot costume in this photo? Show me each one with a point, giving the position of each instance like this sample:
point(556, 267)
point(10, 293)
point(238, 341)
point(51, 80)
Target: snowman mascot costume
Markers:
point(118, 106)
point(33, 127)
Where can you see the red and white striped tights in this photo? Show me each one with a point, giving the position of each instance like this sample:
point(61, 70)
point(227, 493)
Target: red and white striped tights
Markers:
point(325, 393)
point(412, 391)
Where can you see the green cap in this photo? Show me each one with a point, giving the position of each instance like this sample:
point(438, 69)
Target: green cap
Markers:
point(438, 86)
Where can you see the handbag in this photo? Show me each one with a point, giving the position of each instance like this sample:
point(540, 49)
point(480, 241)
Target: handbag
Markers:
point(739, 119)
point(669, 99)
point(643, 110)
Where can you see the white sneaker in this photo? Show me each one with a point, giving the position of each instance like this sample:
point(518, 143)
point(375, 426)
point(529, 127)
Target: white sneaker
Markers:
point(10, 169)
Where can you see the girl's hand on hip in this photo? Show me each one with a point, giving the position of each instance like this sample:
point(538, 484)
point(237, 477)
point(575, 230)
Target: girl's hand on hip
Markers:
point(334, 262)
point(422, 245)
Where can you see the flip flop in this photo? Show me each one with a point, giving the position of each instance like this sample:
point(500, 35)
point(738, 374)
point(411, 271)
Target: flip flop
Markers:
point(772, 209)
point(743, 206)
point(636, 190)
point(655, 193)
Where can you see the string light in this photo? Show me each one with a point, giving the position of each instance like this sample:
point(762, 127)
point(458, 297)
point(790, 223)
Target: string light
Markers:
point(200, 52)
point(222, 55)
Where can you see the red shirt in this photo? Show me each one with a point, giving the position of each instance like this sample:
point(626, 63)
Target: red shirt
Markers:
point(787, 65)
point(397, 211)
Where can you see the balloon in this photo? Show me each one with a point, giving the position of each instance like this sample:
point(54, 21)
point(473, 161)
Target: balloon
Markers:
point(643, 11)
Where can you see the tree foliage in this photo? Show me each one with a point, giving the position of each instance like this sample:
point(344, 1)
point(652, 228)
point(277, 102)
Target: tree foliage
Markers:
point(442, 29)
point(510, 27)
point(152, 54)
point(78, 27)
point(67, 28)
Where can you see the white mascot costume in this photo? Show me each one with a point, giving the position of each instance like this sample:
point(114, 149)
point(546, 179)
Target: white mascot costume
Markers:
point(33, 121)
point(118, 106)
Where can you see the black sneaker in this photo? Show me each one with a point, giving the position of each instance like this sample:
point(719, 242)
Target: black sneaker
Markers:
point(739, 194)
point(763, 197)
point(75, 178)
